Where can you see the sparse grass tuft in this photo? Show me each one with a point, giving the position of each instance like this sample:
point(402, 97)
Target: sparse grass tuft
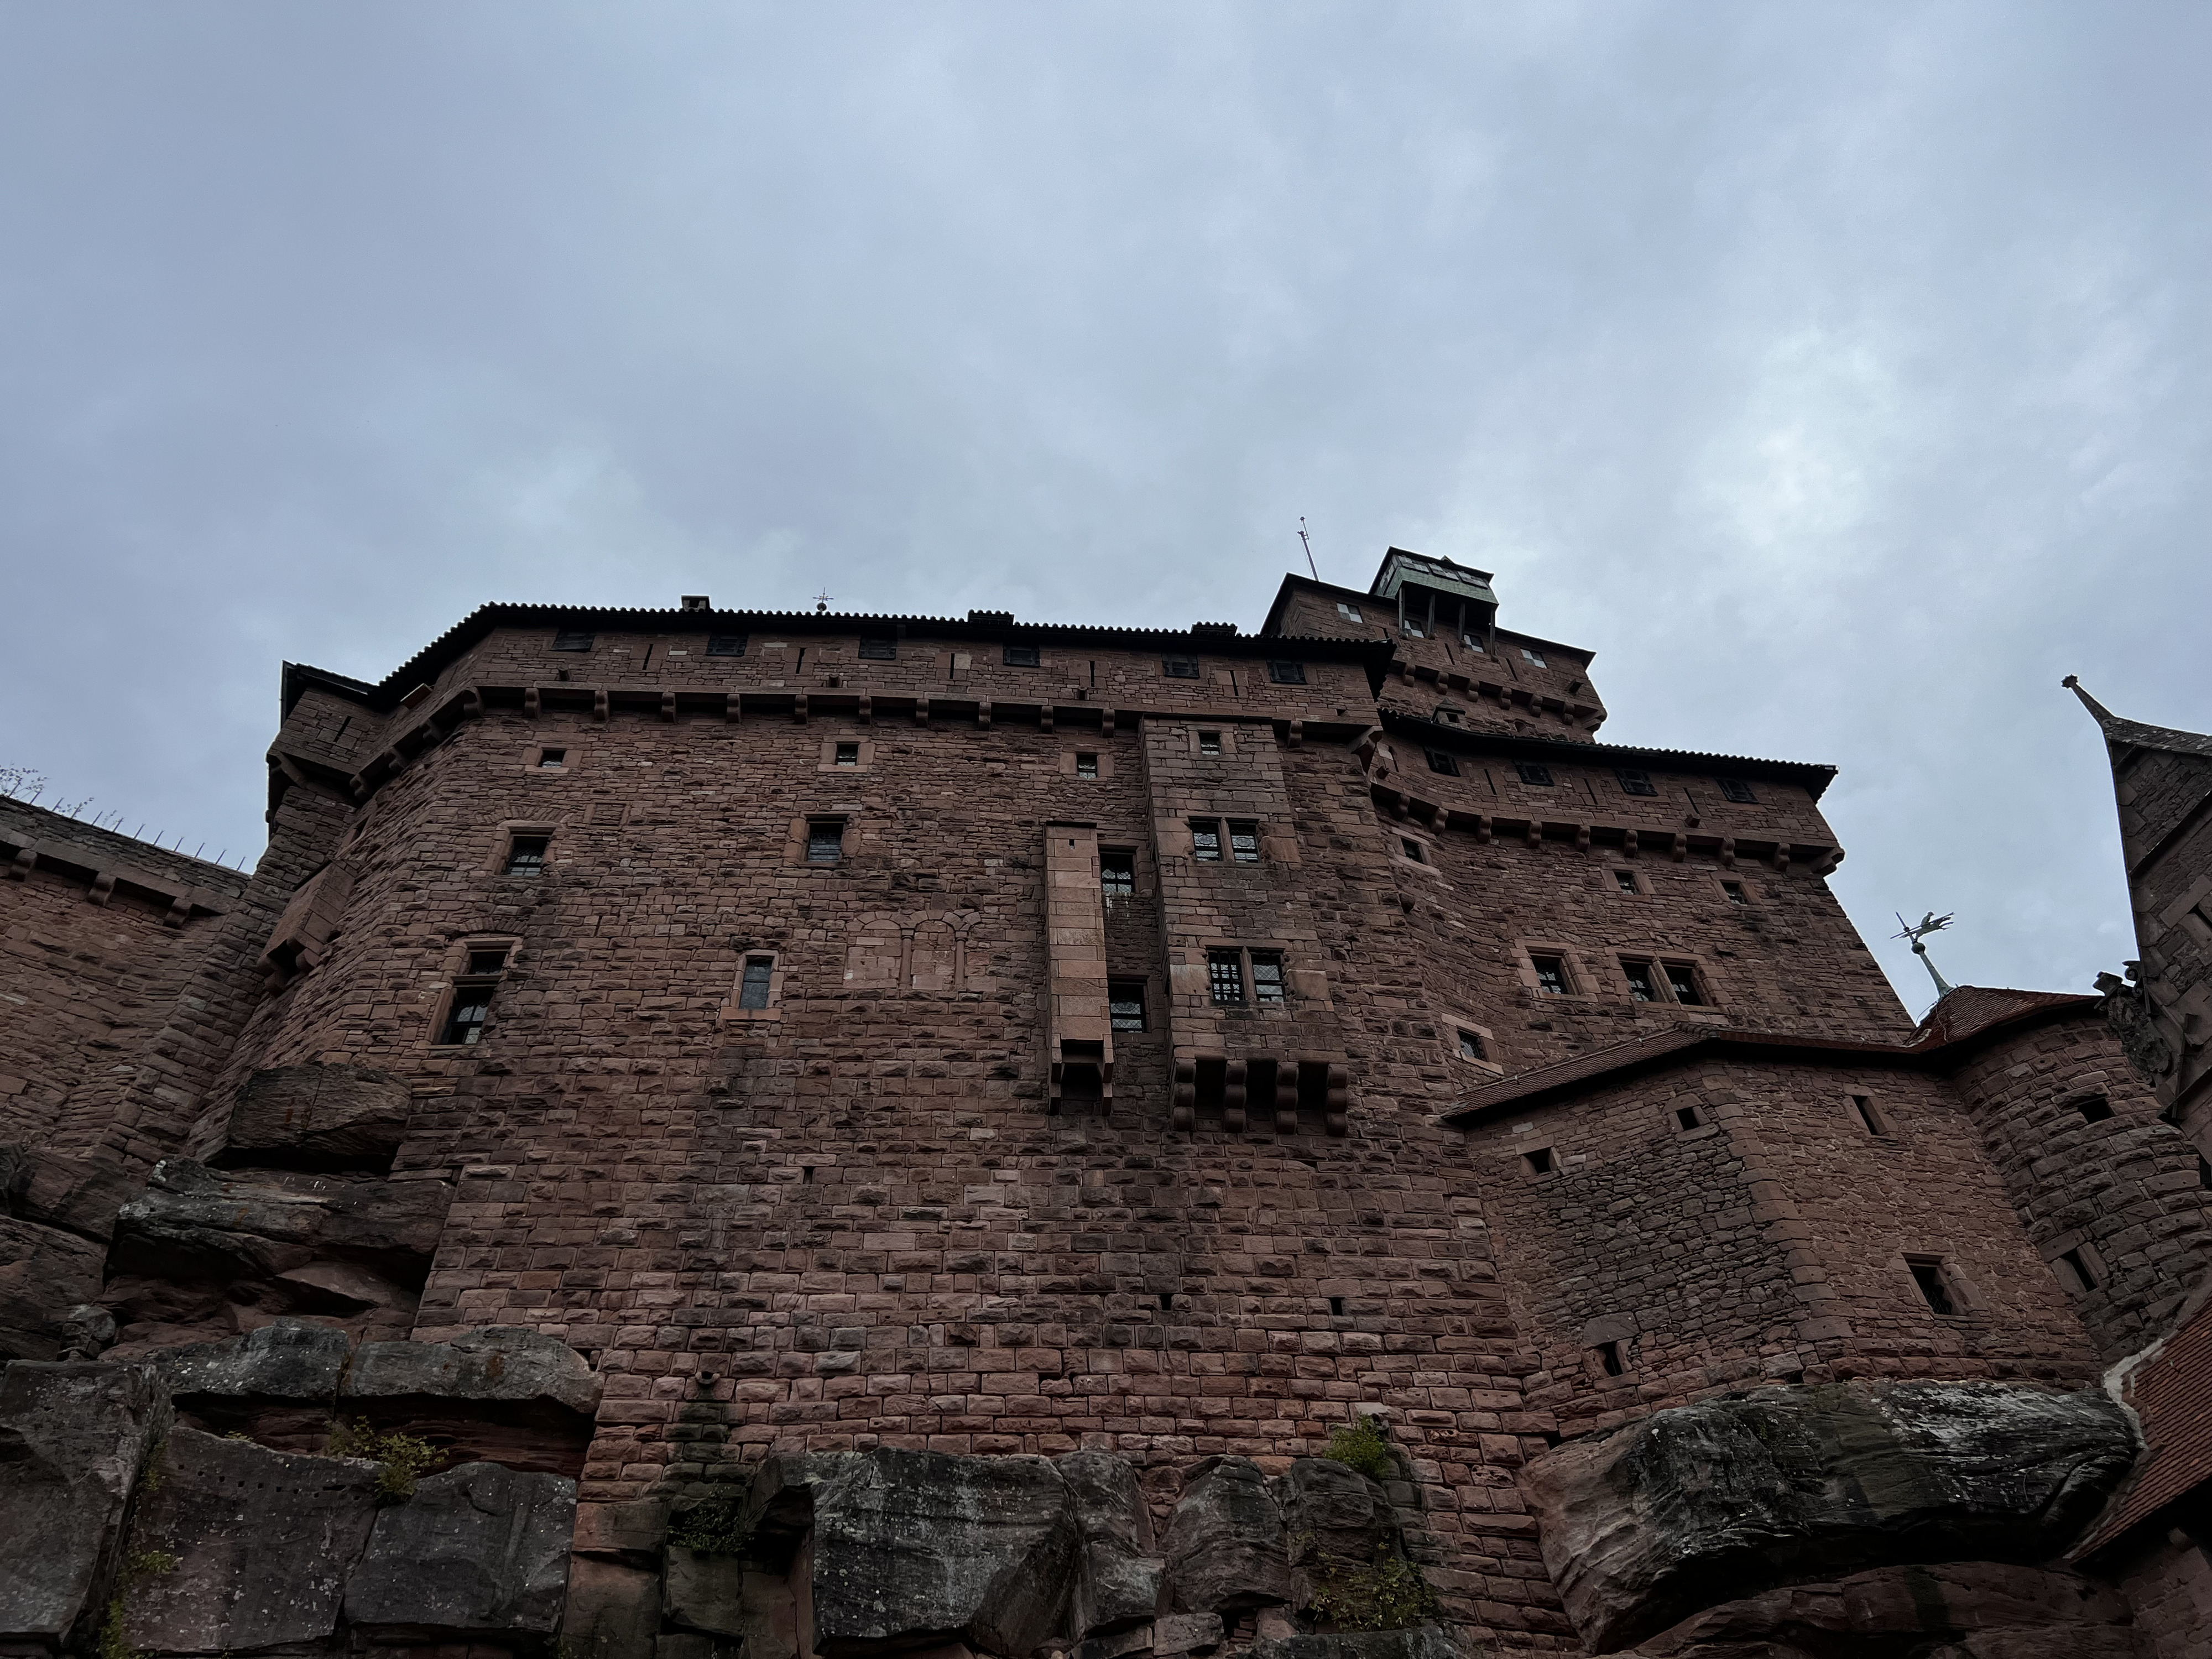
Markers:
point(405, 1459)
point(1364, 1446)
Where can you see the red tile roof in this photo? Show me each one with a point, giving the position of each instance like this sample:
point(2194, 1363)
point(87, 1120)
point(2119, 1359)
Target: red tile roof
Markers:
point(2172, 1395)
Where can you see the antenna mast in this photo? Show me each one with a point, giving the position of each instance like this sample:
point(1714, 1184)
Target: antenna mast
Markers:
point(1308, 543)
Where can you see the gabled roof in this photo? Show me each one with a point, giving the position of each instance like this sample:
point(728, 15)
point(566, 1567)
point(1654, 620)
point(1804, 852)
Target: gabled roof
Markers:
point(2133, 734)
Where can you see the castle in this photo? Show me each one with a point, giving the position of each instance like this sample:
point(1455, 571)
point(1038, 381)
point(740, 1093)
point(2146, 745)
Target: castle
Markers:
point(712, 1132)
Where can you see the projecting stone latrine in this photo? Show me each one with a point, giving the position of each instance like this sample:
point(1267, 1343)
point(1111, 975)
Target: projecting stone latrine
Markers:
point(713, 1133)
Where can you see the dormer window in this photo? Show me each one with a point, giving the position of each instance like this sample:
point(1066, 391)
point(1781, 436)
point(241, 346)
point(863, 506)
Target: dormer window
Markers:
point(1737, 790)
point(1287, 673)
point(1349, 612)
point(1633, 782)
point(1022, 656)
point(1440, 762)
point(1533, 772)
point(726, 645)
point(1535, 657)
point(573, 639)
point(879, 649)
point(1179, 668)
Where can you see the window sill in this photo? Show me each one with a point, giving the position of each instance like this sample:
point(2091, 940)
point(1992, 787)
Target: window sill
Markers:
point(751, 1016)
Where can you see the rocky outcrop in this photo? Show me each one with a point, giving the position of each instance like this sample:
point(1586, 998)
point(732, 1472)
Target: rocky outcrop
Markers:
point(72, 1439)
point(1226, 1547)
point(194, 1221)
point(1707, 1503)
point(1123, 1574)
point(479, 1550)
point(502, 1364)
point(56, 1215)
point(319, 1117)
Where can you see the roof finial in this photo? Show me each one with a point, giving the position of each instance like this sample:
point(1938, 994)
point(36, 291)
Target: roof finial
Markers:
point(821, 602)
point(1917, 931)
point(2095, 708)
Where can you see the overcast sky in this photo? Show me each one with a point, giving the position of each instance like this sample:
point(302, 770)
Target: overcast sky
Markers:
point(1839, 374)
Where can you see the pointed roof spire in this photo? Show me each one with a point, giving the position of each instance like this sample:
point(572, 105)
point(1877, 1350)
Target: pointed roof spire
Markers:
point(2133, 734)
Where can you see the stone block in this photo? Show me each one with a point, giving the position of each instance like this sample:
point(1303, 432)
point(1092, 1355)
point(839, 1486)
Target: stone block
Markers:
point(45, 1272)
point(495, 1364)
point(1226, 1547)
point(76, 1194)
point(1122, 1572)
point(192, 1222)
point(477, 1551)
point(1186, 1632)
point(319, 1117)
point(73, 1437)
point(613, 1611)
point(287, 1361)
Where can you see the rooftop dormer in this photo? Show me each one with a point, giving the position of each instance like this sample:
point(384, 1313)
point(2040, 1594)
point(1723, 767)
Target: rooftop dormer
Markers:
point(1432, 593)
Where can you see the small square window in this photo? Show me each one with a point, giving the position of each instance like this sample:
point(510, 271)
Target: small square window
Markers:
point(464, 1020)
point(880, 650)
point(1411, 849)
point(1224, 976)
point(1179, 668)
point(1633, 782)
point(1440, 762)
point(1209, 742)
point(1413, 631)
point(2094, 1109)
point(1205, 840)
point(1267, 987)
point(1536, 657)
point(2084, 1276)
point(826, 839)
point(1538, 1160)
point(1682, 979)
point(552, 760)
point(1625, 880)
point(1533, 772)
point(1124, 1004)
point(753, 981)
point(1640, 988)
point(1473, 644)
point(1349, 612)
point(1086, 766)
point(1287, 673)
point(1243, 842)
point(1687, 1117)
point(488, 959)
point(1551, 975)
point(726, 645)
point(526, 855)
point(1928, 1274)
point(1734, 891)
point(848, 754)
point(1609, 1359)
point(1470, 1045)
point(1736, 789)
point(1022, 656)
point(573, 639)
point(1117, 874)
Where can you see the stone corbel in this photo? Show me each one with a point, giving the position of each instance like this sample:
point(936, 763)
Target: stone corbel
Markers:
point(983, 715)
point(599, 706)
point(668, 706)
point(472, 704)
point(1780, 858)
point(1628, 844)
point(733, 707)
point(1534, 834)
point(1727, 852)
point(25, 861)
point(1044, 717)
point(866, 708)
point(1581, 837)
point(1233, 1093)
point(179, 912)
point(533, 701)
point(921, 711)
point(102, 888)
point(1679, 849)
point(1286, 1096)
point(798, 707)
point(1482, 829)
point(1185, 1095)
point(1340, 1099)
point(1106, 722)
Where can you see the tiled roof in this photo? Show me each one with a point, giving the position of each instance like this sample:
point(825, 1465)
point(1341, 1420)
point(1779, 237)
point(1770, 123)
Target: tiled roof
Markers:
point(1814, 777)
point(2133, 734)
point(2172, 1395)
point(1972, 1009)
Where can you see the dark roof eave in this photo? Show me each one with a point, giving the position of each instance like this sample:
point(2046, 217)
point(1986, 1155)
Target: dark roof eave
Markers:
point(1815, 775)
point(1292, 581)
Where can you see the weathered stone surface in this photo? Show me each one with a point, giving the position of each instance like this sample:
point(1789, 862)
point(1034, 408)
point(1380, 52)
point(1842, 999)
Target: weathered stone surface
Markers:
point(1704, 1502)
point(1121, 1570)
point(1186, 1632)
point(1334, 1516)
point(477, 1551)
point(507, 1365)
point(632, 1532)
point(72, 1439)
point(319, 1117)
point(75, 1193)
point(613, 1611)
point(726, 1596)
point(1226, 1544)
point(43, 1271)
point(195, 1222)
point(290, 1360)
point(264, 1540)
point(1423, 1642)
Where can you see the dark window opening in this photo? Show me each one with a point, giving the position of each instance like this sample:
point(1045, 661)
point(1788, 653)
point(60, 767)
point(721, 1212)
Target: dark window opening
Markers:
point(1336, 1307)
point(2085, 1279)
point(1682, 979)
point(1179, 668)
point(1022, 656)
point(573, 639)
point(726, 645)
point(2094, 1109)
point(1287, 673)
point(1734, 891)
point(1267, 978)
point(464, 1021)
point(1167, 1301)
point(1633, 782)
point(1608, 1357)
point(1687, 1117)
point(1737, 790)
point(1209, 742)
point(1225, 976)
point(1086, 766)
point(526, 855)
point(753, 983)
point(1243, 842)
point(1551, 975)
point(554, 758)
point(1532, 772)
point(1117, 874)
point(1470, 1045)
point(490, 959)
point(1624, 880)
point(2204, 1172)
point(1125, 1005)
point(880, 650)
point(807, 1175)
point(1640, 988)
point(1440, 762)
point(1206, 840)
point(1411, 849)
point(1538, 1160)
point(848, 754)
point(1928, 1274)
point(826, 839)
point(1863, 1109)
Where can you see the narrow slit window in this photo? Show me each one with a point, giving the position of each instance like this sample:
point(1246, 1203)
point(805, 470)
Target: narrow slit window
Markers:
point(526, 855)
point(1633, 782)
point(1538, 1162)
point(1086, 766)
point(1117, 874)
point(880, 650)
point(1608, 1358)
point(726, 645)
point(464, 1020)
point(1336, 1307)
point(1624, 880)
point(1209, 742)
point(1863, 1109)
point(1243, 842)
point(1470, 1045)
point(1682, 981)
point(1124, 1004)
point(753, 982)
point(1179, 668)
point(2084, 1278)
point(1267, 988)
point(1534, 773)
point(1737, 790)
point(1551, 975)
point(573, 639)
point(848, 754)
point(1440, 762)
point(1287, 673)
point(1022, 656)
point(1640, 988)
point(1734, 891)
point(552, 760)
point(1928, 1274)
point(826, 839)
point(1224, 976)
point(1205, 840)
point(2094, 1109)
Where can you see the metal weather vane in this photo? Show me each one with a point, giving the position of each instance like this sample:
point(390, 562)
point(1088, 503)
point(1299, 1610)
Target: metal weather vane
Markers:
point(1917, 931)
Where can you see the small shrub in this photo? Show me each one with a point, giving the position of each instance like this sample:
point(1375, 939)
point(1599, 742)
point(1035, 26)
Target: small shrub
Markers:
point(1390, 1594)
point(715, 1528)
point(1365, 1448)
point(403, 1459)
